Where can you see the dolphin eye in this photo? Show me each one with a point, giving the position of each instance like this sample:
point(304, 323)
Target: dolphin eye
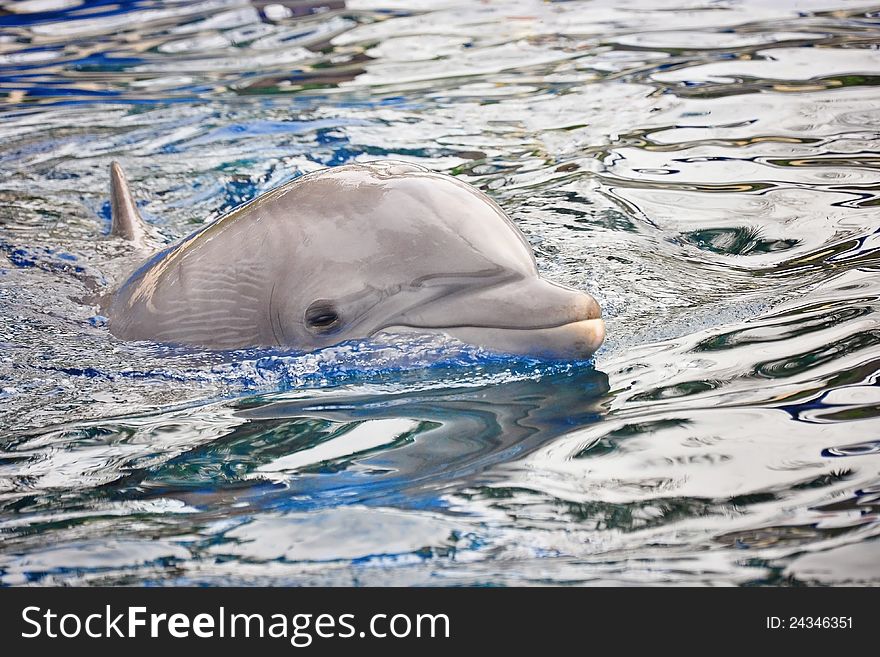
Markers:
point(321, 316)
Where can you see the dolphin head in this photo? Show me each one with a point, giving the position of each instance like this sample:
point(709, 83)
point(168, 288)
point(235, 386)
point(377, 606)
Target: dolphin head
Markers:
point(389, 247)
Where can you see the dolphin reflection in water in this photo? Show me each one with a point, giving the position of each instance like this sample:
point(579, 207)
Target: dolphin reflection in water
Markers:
point(397, 447)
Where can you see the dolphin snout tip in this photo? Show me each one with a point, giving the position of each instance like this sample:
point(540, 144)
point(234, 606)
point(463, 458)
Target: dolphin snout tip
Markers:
point(588, 329)
point(590, 336)
point(587, 307)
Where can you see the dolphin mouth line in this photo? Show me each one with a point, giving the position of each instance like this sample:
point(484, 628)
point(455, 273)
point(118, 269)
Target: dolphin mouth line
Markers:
point(486, 327)
point(576, 340)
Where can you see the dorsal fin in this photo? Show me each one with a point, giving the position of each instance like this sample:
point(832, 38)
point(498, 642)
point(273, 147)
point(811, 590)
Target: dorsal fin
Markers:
point(126, 221)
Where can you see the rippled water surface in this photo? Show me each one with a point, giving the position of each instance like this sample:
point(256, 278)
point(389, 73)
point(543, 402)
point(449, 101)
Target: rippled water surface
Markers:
point(708, 170)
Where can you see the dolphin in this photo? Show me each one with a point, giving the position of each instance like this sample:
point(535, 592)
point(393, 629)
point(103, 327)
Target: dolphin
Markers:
point(346, 253)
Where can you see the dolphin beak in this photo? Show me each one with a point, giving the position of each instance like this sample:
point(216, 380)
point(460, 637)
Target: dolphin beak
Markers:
point(576, 338)
point(527, 317)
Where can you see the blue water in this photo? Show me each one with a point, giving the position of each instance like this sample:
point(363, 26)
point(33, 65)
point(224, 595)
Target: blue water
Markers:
point(707, 170)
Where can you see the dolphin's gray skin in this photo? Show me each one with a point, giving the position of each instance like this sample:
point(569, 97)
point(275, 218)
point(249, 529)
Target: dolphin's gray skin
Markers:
point(346, 253)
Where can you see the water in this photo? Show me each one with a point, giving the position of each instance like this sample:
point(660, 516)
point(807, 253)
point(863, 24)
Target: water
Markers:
point(708, 170)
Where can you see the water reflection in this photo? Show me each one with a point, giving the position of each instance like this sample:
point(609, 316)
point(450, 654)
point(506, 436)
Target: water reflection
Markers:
point(306, 452)
point(253, 470)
